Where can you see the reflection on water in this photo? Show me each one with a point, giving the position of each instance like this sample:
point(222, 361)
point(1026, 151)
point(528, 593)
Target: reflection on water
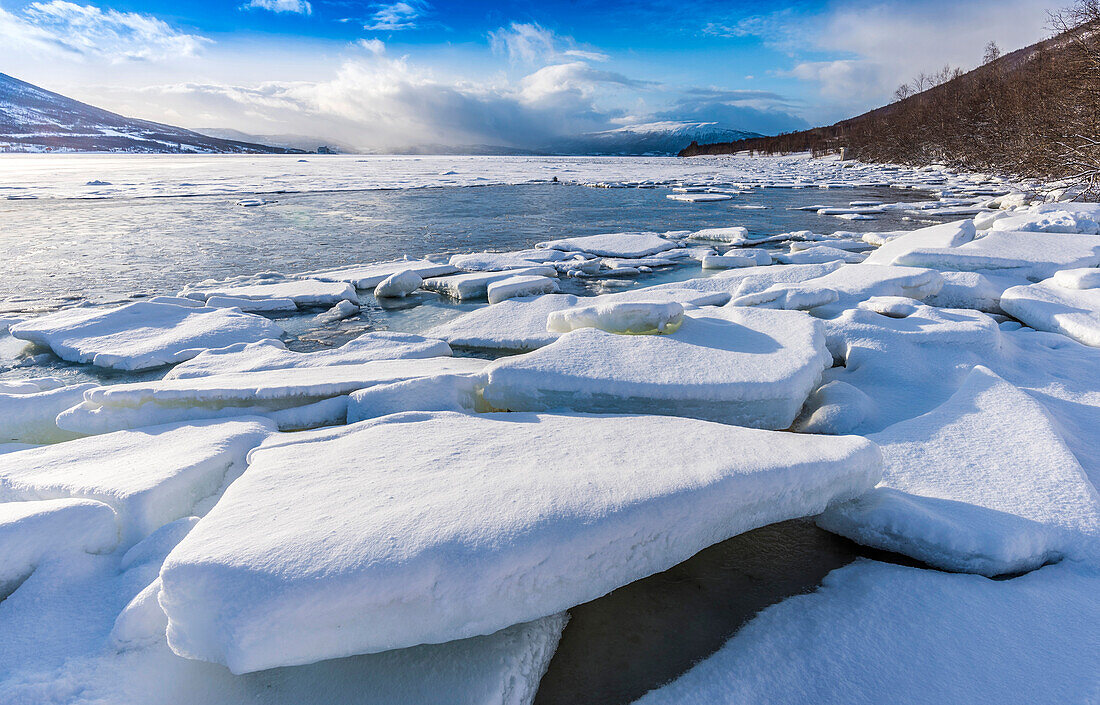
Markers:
point(620, 646)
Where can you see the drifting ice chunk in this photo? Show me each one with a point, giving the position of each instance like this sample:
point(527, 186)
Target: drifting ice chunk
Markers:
point(303, 292)
point(514, 287)
point(699, 197)
point(1037, 255)
point(150, 476)
point(496, 261)
point(727, 262)
point(273, 355)
point(398, 285)
point(942, 235)
point(734, 365)
point(142, 335)
point(368, 276)
point(835, 408)
point(30, 385)
point(623, 317)
point(404, 542)
point(982, 484)
point(250, 305)
point(342, 310)
point(31, 532)
point(1046, 306)
point(261, 393)
point(515, 324)
point(819, 254)
point(631, 245)
point(733, 235)
point(31, 418)
point(877, 633)
point(761, 256)
point(476, 284)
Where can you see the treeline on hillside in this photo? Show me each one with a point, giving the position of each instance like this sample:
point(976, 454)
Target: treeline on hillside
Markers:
point(1034, 112)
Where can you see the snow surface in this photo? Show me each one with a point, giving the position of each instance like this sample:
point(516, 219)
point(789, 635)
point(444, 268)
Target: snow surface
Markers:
point(520, 285)
point(33, 532)
point(1074, 313)
point(262, 393)
point(142, 335)
point(428, 552)
point(31, 417)
point(876, 632)
point(623, 317)
point(982, 483)
point(734, 365)
point(149, 476)
point(273, 355)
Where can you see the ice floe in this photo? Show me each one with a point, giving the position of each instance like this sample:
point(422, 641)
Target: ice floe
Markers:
point(1073, 312)
point(518, 286)
point(476, 284)
point(368, 276)
point(31, 417)
point(142, 334)
point(303, 292)
point(982, 483)
point(735, 365)
point(149, 476)
point(273, 354)
point(33, 532)
point(613, 244)
point(419, 543)
point(623, 317)
point(398, 285)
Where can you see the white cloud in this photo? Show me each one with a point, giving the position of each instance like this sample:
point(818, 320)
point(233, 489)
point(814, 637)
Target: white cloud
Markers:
point(374, 46)
point(531, 43)
point(63, 28)
point(396, 16)
point(300, 7)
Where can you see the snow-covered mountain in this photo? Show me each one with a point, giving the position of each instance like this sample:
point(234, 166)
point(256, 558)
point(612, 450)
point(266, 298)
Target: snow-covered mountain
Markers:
point(651, 138)
point(36, 120)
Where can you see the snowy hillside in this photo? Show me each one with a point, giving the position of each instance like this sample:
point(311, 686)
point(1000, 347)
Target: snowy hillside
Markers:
point(36, 120)
point(651, 138)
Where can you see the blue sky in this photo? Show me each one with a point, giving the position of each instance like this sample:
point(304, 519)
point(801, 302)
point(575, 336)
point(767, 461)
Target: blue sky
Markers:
point(379, 75)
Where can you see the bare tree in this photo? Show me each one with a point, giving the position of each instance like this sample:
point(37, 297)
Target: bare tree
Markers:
point(903, 92)
point(992, 52)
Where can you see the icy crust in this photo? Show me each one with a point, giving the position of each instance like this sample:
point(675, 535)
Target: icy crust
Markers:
point(431, 527)
point(142, 335)
point(32, 532)
point(264, 393)
point(150, 476)
point(273, 355)
point(303, 292)
point(1037, 254)
point(633, 245)
point(733, 365)
point(476, 284)
point(31, 417)
point(514, 287)
point(981, 484)
point(876, 632)
point(368, 276)
point(1073, 312)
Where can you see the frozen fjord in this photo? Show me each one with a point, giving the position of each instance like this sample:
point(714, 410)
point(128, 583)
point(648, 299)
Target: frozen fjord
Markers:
point(872, 347)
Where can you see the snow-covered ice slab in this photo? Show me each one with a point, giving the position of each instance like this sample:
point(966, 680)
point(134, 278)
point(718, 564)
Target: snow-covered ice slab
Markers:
point(398, 285)
point(698, 197)
point(476, 284)
point(405, 541)
point(32, 417)
point(852, 283)
point(631, 244)
point(1048, 306)
point(752, 280)
point(142, 335)
point(515, 287)
point(734, 235)
point(150, 476)
point(981, 484)
point(31, 532)
point(1038, 255)
point(1052, 218)
point(515, 324)
point(303, 292)
point(876, 633)
point(819, 254)
point(368, 276)
point(273, 355)
point(936, 236)
point(276, 393)
point(741, 366)
point(251, 305)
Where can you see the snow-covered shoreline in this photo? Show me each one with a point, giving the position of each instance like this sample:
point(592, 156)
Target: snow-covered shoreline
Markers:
point(391, 521)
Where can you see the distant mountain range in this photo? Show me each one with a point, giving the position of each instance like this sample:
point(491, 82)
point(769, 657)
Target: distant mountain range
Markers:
point(651, 138)
point(33, 119)
point(36, 120)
